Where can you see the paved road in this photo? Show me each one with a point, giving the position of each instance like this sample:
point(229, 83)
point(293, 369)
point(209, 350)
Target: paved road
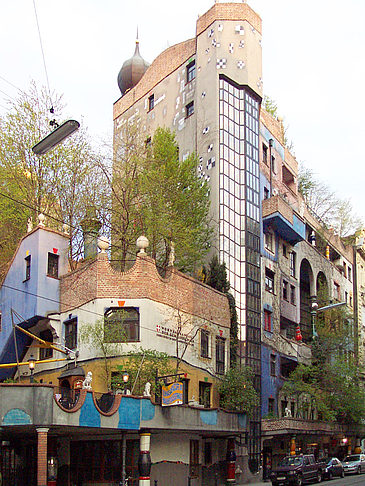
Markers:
point(350, 480)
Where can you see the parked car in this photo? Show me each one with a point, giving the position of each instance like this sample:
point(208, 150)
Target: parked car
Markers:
point(296, 470)
point(333, 468)
point(354, 464)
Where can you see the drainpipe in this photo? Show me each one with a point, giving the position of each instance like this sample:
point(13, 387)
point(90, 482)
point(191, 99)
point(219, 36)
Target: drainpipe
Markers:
point(271, 143)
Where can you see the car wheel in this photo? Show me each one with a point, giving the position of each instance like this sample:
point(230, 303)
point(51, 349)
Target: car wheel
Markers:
point(342, 473)
point(330, 475)
point(319, 476)
point(358, 470)
point(299, 480)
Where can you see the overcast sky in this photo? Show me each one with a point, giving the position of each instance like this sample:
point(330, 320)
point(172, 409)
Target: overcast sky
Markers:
point(313, 66)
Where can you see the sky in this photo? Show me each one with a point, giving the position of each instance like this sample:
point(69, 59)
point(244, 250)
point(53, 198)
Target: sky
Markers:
point(313, 67)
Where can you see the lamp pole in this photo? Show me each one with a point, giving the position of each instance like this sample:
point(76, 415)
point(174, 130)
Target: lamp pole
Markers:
point(31, 364)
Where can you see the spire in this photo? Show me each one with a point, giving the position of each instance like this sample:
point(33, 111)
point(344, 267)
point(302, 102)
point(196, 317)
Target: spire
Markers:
point(132, 70)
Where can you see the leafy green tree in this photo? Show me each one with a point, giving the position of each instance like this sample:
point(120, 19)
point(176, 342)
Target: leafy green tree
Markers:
point(59, 184)
point(237, 392)
point(175, 205)
point(335, 212)
point(92, 336)
point(142, 366)
point(270, 106)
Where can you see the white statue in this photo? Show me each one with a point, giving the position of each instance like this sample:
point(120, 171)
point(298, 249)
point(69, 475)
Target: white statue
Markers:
point(147, 389)
point(86, 384)
point(287, 412)
point(29, 224)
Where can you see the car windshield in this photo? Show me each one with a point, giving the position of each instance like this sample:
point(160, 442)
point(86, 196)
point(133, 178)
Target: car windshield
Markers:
point(351, 458)
point(291, 461)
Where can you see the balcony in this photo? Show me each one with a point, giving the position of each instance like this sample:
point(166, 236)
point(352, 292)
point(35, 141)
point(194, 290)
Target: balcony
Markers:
point(291, 425)
point(277, 214)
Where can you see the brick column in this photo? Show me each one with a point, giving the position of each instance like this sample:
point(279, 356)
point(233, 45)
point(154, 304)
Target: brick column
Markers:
point(42, 456)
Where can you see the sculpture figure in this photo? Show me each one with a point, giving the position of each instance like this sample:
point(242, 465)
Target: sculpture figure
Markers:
point(86, 384)
point(287, 412)
point(147, 389)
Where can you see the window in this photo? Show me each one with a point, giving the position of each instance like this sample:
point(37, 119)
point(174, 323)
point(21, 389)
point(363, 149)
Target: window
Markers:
point(273, 165)
point(71, 333)
point(266, 193)
point(207, 453)
point(151, 102)
point(27, 267)
point(293, 257)
point(284, 405)
point(148, 143)
point(194, 459)
point(220, 351)
point(269, 241)
point(268, 323)
point(292, 294)
point(271, 405)
point(189, 109)
point(346, 297)
point(1, 321)
point(285, 290)
point(272, 364)
point(336, 291)
point(349, 276)
point(52, 267)
point(269, 280)
point(204, 393)
point(292, 408)
point(121, 324)
point(45, 353)
point(204, 343)
point(264, 154)
point(285, 251)
point(190, 71)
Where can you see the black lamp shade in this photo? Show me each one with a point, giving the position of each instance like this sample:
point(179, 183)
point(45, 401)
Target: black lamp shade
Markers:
point(56, 137)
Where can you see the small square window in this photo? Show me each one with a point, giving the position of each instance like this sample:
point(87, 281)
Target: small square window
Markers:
point(271, 406)
point(207, 453)
point(285, 251)
point(220, 351)
point(264, 154)
point(151, 102)
point(148, 143)
point(204, 393)
point(71, 333)
point(27, 267)
point(293, 258)
point(269, 241)
point(52, 267)
point(189, 109)
point(121, 324)
point(190, 71)
point(266, 193)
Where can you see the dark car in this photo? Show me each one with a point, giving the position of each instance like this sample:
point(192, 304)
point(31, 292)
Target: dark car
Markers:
point(333, 468)
point(297, 470)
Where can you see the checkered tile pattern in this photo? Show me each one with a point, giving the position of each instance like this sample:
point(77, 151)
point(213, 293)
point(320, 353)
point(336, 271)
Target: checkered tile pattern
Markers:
point(210, 32)
point(239, 29)
point(206, 130)
point(204, 94)
point(231, 47)
point(221, 63)
point(207, 50)
point(215, 43)
point(240, 64)
point(220, 27)
point(241, 44)
point(210, 147)
point(210, 163)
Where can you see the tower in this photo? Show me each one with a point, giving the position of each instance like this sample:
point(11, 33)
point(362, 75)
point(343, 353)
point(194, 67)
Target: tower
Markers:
point(208, 90)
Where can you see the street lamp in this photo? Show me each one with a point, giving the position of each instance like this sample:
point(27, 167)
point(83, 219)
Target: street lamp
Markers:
point(315, 310)
point(31, 364)
point(125, 378)
point(57, 136)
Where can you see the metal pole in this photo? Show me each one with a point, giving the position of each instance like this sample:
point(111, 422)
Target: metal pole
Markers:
point(124, 450)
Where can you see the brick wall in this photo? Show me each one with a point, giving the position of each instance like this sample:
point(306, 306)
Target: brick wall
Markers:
point(42, 457)
point(276, 204)
point(229, 11)
point(99, 280)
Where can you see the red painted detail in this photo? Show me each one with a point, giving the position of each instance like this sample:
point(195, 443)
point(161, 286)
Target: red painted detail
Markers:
point(55, 250)
point(298, 334)
point(141, 478)
point(231, 471)
point(121, 303)
point(220, 332)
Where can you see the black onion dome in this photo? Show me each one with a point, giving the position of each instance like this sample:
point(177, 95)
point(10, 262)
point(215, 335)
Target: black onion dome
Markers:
point(132, 71)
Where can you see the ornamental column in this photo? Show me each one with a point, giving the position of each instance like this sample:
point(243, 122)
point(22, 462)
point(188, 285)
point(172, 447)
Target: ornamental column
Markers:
point(144, 460)
point(42, 456)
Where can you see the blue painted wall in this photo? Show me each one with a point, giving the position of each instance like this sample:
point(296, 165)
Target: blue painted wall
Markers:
point(37, 296)
point(270, 385)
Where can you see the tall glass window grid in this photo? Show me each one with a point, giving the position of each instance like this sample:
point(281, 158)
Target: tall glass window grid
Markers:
point(239, 228)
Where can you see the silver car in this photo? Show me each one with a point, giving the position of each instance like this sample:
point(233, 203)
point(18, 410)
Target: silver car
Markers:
point(354, 464)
